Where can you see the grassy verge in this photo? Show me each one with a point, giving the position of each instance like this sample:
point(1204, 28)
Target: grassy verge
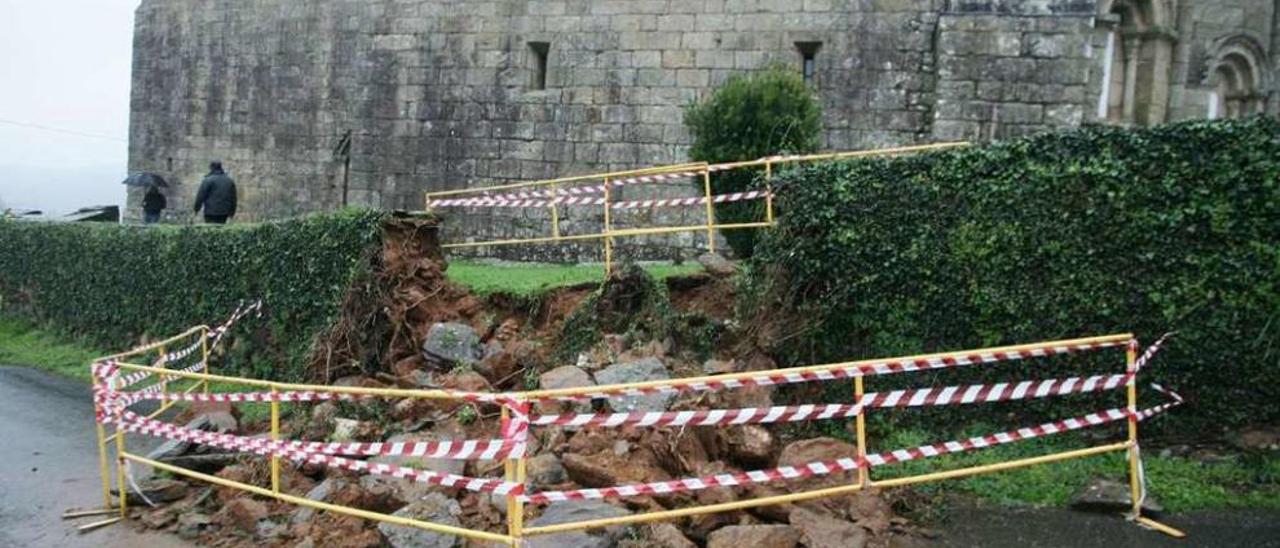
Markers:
point(1179, 484)
point(22, 343)
point(529, 279)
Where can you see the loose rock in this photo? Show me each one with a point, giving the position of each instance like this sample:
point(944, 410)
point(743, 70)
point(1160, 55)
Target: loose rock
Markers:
point(666, 535)
point(157, 490)
point(450, 344)
point(571, 511)
point(245, 513)
point(544, 470)
point(754, 536)
point(435, 508)
point(648, 369)
point(821, 531)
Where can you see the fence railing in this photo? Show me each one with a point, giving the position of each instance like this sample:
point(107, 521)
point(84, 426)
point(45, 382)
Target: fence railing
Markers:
point(114, 376)
point(598, 190)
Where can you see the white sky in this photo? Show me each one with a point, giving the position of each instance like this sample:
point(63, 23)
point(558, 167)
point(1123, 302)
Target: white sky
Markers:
point(64, 64)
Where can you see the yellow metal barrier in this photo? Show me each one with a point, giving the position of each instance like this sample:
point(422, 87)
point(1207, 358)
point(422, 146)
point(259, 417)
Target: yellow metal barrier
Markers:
point(702, 170)
point(514, 468)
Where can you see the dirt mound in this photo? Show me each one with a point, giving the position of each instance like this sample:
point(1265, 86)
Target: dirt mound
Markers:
point(385, 315)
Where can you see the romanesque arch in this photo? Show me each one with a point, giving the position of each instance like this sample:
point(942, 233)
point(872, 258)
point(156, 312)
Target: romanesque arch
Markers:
point(1137, 60)
point(1237, 69)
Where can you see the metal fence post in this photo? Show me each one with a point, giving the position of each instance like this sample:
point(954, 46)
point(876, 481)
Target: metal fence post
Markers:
point(864, 471)
point(555, 212)
point(608, 231)
point(121, 486)
point(275, 438)
point(768, 188)
point(1135, 489)
point(711, 213)
point(204, 351)
point(102, 446)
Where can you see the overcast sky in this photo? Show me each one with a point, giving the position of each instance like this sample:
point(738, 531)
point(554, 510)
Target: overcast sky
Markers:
point(65, 65)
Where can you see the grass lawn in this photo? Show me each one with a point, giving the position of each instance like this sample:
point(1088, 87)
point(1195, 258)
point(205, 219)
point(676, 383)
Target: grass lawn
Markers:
point(1179, 484)
point(529, 279)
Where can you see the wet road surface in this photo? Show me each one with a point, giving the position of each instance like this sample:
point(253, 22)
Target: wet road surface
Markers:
point(49, 463)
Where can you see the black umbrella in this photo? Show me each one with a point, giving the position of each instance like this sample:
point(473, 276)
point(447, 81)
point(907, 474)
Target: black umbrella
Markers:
point(146, 179)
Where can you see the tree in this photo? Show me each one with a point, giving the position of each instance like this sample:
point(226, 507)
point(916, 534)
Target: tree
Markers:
point(751, 116)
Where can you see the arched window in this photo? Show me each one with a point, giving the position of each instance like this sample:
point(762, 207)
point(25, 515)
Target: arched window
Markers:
point(1235, 78)
point(1136, 61)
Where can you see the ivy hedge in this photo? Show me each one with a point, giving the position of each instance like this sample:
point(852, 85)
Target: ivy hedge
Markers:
point(117, 284)
point(1094, 231)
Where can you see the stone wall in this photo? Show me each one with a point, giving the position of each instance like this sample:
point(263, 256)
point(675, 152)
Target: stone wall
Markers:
point(445, 94)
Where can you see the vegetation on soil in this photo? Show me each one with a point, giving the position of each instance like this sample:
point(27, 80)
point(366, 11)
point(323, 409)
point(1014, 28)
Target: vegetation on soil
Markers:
point(1095, 231)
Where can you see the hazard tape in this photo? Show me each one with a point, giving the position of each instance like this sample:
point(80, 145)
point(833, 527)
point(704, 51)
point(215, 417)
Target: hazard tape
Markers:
point(951, 395)
point(559, 194)
point(845, 464)
point(633, 204)
point(836, 372)
point(133, 423)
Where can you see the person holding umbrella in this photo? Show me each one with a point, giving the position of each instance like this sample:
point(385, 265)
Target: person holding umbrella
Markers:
point(217, 195)
point(153, 201)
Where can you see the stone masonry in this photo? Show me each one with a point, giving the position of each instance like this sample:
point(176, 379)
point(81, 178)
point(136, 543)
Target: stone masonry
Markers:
point(317, 104)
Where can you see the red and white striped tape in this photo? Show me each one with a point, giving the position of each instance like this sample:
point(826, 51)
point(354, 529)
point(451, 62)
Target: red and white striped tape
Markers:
point(632, 204)
point(134, 423)
point(845, 464)
point(560, 194)
point(951, 395)
point(836, 372)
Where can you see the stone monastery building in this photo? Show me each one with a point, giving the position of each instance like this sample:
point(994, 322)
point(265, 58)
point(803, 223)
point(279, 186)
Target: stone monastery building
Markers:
point(313, 104)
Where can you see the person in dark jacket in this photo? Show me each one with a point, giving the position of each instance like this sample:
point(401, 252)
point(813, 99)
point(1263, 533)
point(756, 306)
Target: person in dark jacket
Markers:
point(217, 195)
point(153, 202)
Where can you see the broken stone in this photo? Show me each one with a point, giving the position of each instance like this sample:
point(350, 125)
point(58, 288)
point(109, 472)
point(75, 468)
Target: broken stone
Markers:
point(408, 366)
point(451, 344)
point(245, 513)
point(749, 444)
point(869, 509)
point(497, 366)
point(754, 536)
point(344, 429)
point(719, 367)
point(666, 535)
point(191, 525)
point(573, 511)
point(270, 530)
point(324, 412)
point(562, 377)
point(157, 490)
point(1103, 495)
point(544, 470)
point(1256, 439)
point(648, 369)
point(716, 265)
point(821, 531)
point(434, 508)
point(158, 518)
point(320, 493)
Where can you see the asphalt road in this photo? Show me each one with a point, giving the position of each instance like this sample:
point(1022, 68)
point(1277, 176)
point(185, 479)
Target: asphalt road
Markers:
point(49, 463)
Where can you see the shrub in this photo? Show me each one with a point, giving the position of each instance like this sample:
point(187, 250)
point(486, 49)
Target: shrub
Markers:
point(114, 284)
point(1094, 231)
point(749, 117)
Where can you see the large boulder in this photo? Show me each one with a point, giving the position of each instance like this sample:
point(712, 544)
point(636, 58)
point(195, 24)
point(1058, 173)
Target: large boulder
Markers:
point(451, 344)
point(813, 450)
point(823, 531)
point(434, 508)
point(575, 511)
point(648, 369)
point(754, 536)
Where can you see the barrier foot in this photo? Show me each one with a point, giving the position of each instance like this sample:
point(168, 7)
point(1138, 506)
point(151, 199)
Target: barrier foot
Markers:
point(75, 513)
point(1157, 526)
point(97, 524)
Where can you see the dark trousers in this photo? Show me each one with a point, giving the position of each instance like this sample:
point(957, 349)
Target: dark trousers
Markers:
point(216, 219)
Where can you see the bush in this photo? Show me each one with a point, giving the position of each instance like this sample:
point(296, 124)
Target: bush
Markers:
point(749, 117)
point(115, 284)
point(1094, 231)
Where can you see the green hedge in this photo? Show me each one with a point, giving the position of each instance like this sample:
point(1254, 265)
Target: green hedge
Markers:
point(114, 284)
point(1093, 231)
